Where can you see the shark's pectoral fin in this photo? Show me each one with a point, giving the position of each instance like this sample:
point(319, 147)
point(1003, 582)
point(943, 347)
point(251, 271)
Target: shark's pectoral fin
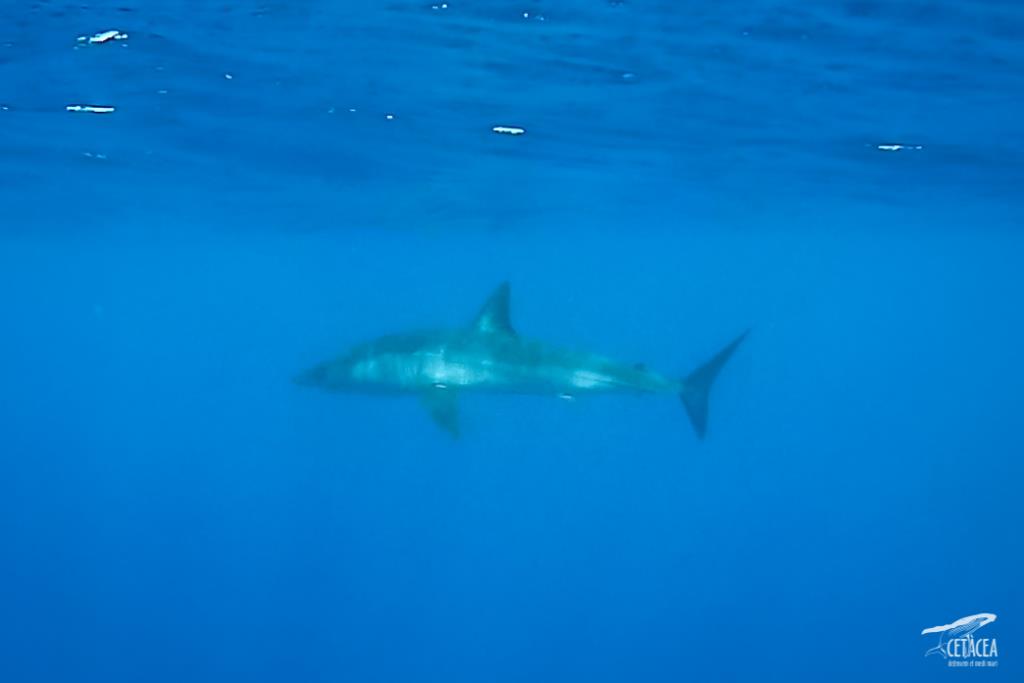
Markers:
point(443, 406)
point(697, 386)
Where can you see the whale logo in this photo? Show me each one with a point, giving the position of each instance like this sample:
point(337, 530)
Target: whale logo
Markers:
point(957, 639)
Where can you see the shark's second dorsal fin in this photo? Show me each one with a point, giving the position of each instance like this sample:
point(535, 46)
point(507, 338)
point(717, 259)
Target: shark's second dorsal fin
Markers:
point(493, 316)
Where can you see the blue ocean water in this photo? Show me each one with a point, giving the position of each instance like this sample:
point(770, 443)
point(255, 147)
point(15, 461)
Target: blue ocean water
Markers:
point(280, 181)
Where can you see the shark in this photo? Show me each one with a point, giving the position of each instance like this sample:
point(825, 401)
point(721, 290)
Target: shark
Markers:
point(489, 355)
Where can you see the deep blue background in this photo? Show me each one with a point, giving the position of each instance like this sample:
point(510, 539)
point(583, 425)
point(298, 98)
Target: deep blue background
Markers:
point(172, 508)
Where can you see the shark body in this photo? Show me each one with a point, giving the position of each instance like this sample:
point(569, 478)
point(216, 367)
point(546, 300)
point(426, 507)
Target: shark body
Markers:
point(490, 356)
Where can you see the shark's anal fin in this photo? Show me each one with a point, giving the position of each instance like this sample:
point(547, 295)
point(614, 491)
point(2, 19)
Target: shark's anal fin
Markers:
point(443, 406)
point(494, 315)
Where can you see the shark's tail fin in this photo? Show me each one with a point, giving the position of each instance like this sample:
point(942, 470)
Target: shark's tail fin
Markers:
point(697, 386)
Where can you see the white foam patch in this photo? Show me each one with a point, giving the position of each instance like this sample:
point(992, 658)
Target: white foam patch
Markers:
point(91, 108)
point(103, 37)
point(896, 148)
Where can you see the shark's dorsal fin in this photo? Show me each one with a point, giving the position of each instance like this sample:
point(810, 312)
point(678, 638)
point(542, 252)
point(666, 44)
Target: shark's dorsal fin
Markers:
point(493, 316)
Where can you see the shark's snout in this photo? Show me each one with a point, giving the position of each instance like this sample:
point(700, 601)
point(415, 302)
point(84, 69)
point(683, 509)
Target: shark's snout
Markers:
point(314, 376)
